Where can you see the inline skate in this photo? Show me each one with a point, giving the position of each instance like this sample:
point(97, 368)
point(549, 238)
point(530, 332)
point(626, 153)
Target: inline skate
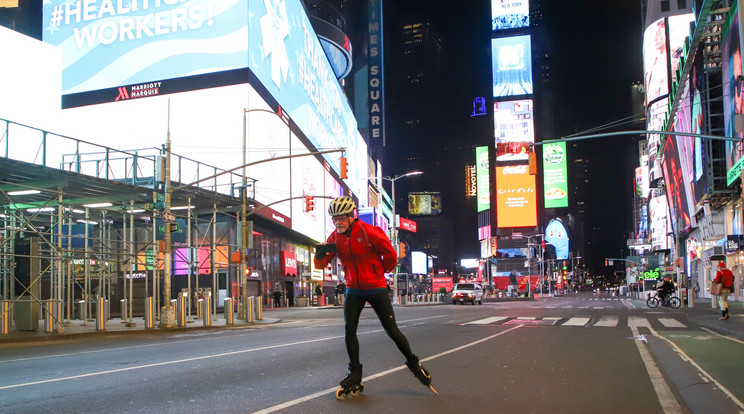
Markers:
point(421, 373)
point(352, 384)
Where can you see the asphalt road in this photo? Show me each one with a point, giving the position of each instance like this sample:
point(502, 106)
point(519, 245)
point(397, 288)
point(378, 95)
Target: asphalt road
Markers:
point(577, 354)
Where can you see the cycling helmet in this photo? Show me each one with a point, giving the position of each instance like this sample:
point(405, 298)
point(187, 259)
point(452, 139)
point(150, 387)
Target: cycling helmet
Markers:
point(341, 205)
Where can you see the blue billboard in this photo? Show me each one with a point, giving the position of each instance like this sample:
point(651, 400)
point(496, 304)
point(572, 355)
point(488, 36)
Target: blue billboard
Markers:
point(512, 66)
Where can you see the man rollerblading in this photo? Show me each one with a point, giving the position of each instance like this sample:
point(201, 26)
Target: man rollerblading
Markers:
point(352, 384)
point(366, 254)
point(421, 373)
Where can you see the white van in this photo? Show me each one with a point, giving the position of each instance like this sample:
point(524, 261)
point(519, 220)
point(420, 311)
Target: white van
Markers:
point(467, 292)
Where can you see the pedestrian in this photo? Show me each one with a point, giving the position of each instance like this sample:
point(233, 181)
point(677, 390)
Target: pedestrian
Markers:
point(366, 254)
point(696, 290)
point(726, 279)
point(318, 293)
point(340, 290)
point(277, 298)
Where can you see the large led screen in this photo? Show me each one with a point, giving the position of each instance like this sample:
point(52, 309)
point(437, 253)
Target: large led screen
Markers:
point(512, 66)
point(107, 44)
point(425, 204)
point(513, 121)
point(510, 14)
point(516, 201)
point(512, 151)
point(482, 168)
point(677, 191)
point(655, 60)
point(734, 105)
point(555, 176)
point(698, 80)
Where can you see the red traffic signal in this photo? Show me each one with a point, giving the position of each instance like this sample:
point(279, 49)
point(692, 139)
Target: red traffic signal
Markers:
point(309, 203)
point(344, 168)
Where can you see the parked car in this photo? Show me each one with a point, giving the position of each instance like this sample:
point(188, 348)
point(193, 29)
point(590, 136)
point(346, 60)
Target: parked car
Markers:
point(467, 292)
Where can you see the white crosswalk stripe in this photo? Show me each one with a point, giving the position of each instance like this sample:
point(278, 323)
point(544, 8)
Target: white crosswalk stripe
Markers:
point(606, 321)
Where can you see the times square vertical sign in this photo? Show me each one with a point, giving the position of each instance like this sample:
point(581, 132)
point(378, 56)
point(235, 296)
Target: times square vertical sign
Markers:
point(375, 75)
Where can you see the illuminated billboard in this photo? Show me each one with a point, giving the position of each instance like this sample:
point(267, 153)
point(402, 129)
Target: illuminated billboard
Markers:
point(656, 80)
point(513, 121)
point(512, 151)
point(483, 178)
point(555, 177)
point(424, 204)
point(733, 106)
point(510, 14)
point(516, 201)
point(512, 66)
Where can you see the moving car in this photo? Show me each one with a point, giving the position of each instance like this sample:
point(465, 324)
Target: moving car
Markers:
point(467, 292)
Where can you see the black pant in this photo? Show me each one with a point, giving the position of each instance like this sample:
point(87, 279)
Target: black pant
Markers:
point(382, 306)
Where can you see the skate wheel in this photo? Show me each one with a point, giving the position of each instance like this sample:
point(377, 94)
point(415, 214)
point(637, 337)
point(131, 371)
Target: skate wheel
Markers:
point(339, 393)
point(354, 392)
point(361, 388)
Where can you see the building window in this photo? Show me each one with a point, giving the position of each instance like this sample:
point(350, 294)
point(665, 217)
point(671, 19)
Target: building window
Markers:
point(664, 6)
point(681, 4)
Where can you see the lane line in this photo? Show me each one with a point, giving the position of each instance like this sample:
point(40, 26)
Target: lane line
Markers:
point(731, 338)
point(699, 368)
point(378, 375)
point(486, 321)
point(666, 398)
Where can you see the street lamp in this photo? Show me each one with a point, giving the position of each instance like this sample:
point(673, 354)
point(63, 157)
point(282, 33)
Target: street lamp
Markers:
point(394, 232)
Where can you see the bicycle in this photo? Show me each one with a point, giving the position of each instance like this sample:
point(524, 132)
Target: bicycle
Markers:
point(673, 302)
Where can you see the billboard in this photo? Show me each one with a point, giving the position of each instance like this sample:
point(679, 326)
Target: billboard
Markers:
point(512, 66)
point(676, 190)
point(656, 79)
point(418, 263)
point(516, 201)
point(555, 176)
point(512, 151)
point(482, 166)
point(733, 107)
point(424, 204)
point(510, 14)
point(513, 121)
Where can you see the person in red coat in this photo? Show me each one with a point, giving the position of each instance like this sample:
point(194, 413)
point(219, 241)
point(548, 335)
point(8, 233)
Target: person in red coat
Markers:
point(726, 279)
point(366, 254)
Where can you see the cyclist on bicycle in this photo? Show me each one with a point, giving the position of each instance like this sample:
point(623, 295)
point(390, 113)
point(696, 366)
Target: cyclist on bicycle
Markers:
point(664, 288)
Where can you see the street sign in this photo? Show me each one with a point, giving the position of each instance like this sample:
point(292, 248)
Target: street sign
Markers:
point(155, 206)
point(173, 228)
point(169, 217)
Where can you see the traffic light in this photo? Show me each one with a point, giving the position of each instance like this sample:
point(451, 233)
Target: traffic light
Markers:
point(309, 203)
point(533, 163)
point(344, 168)
point(401, 250)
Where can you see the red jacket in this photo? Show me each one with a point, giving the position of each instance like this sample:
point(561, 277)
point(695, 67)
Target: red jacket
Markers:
point(725, 277)
point(366, 254)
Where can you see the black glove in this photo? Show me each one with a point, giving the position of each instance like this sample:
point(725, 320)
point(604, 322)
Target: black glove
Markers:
point(322, 249)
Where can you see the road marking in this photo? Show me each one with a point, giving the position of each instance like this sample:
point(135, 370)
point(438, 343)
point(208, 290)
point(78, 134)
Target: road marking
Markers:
point(378, 375)
point(577, 321)
point(525, 318)
point(607, 321)
point(486, 321)
point(700, 369)
point(637, 321)
point(666, 398)
point(671, 323)
point(731, 338)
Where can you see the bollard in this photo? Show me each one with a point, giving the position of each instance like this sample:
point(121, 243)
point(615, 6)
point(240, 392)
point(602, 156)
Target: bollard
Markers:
point(259, 309)
point(249, 309)
point(101, 314)
point(4, 317)
point(49, 321)
point(229, 313)
point(123, 303)
point(206, 304)
point(199, 308)
point(149, 312)
point(181, 310)
point(83, 311)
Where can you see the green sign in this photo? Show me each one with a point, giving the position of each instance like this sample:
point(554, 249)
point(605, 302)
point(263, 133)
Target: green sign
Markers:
point(734, 172)
point(173, 228)
point(555, 182)
point(482, 178)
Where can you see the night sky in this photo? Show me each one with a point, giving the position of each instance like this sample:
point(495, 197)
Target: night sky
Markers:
point(596, 56)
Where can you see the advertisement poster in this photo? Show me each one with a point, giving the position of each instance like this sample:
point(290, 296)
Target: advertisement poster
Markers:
point(516, 197)
point(513, 121)
point(483, 178)
point(510, 14)
point(555, 177)
point(512, 66)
